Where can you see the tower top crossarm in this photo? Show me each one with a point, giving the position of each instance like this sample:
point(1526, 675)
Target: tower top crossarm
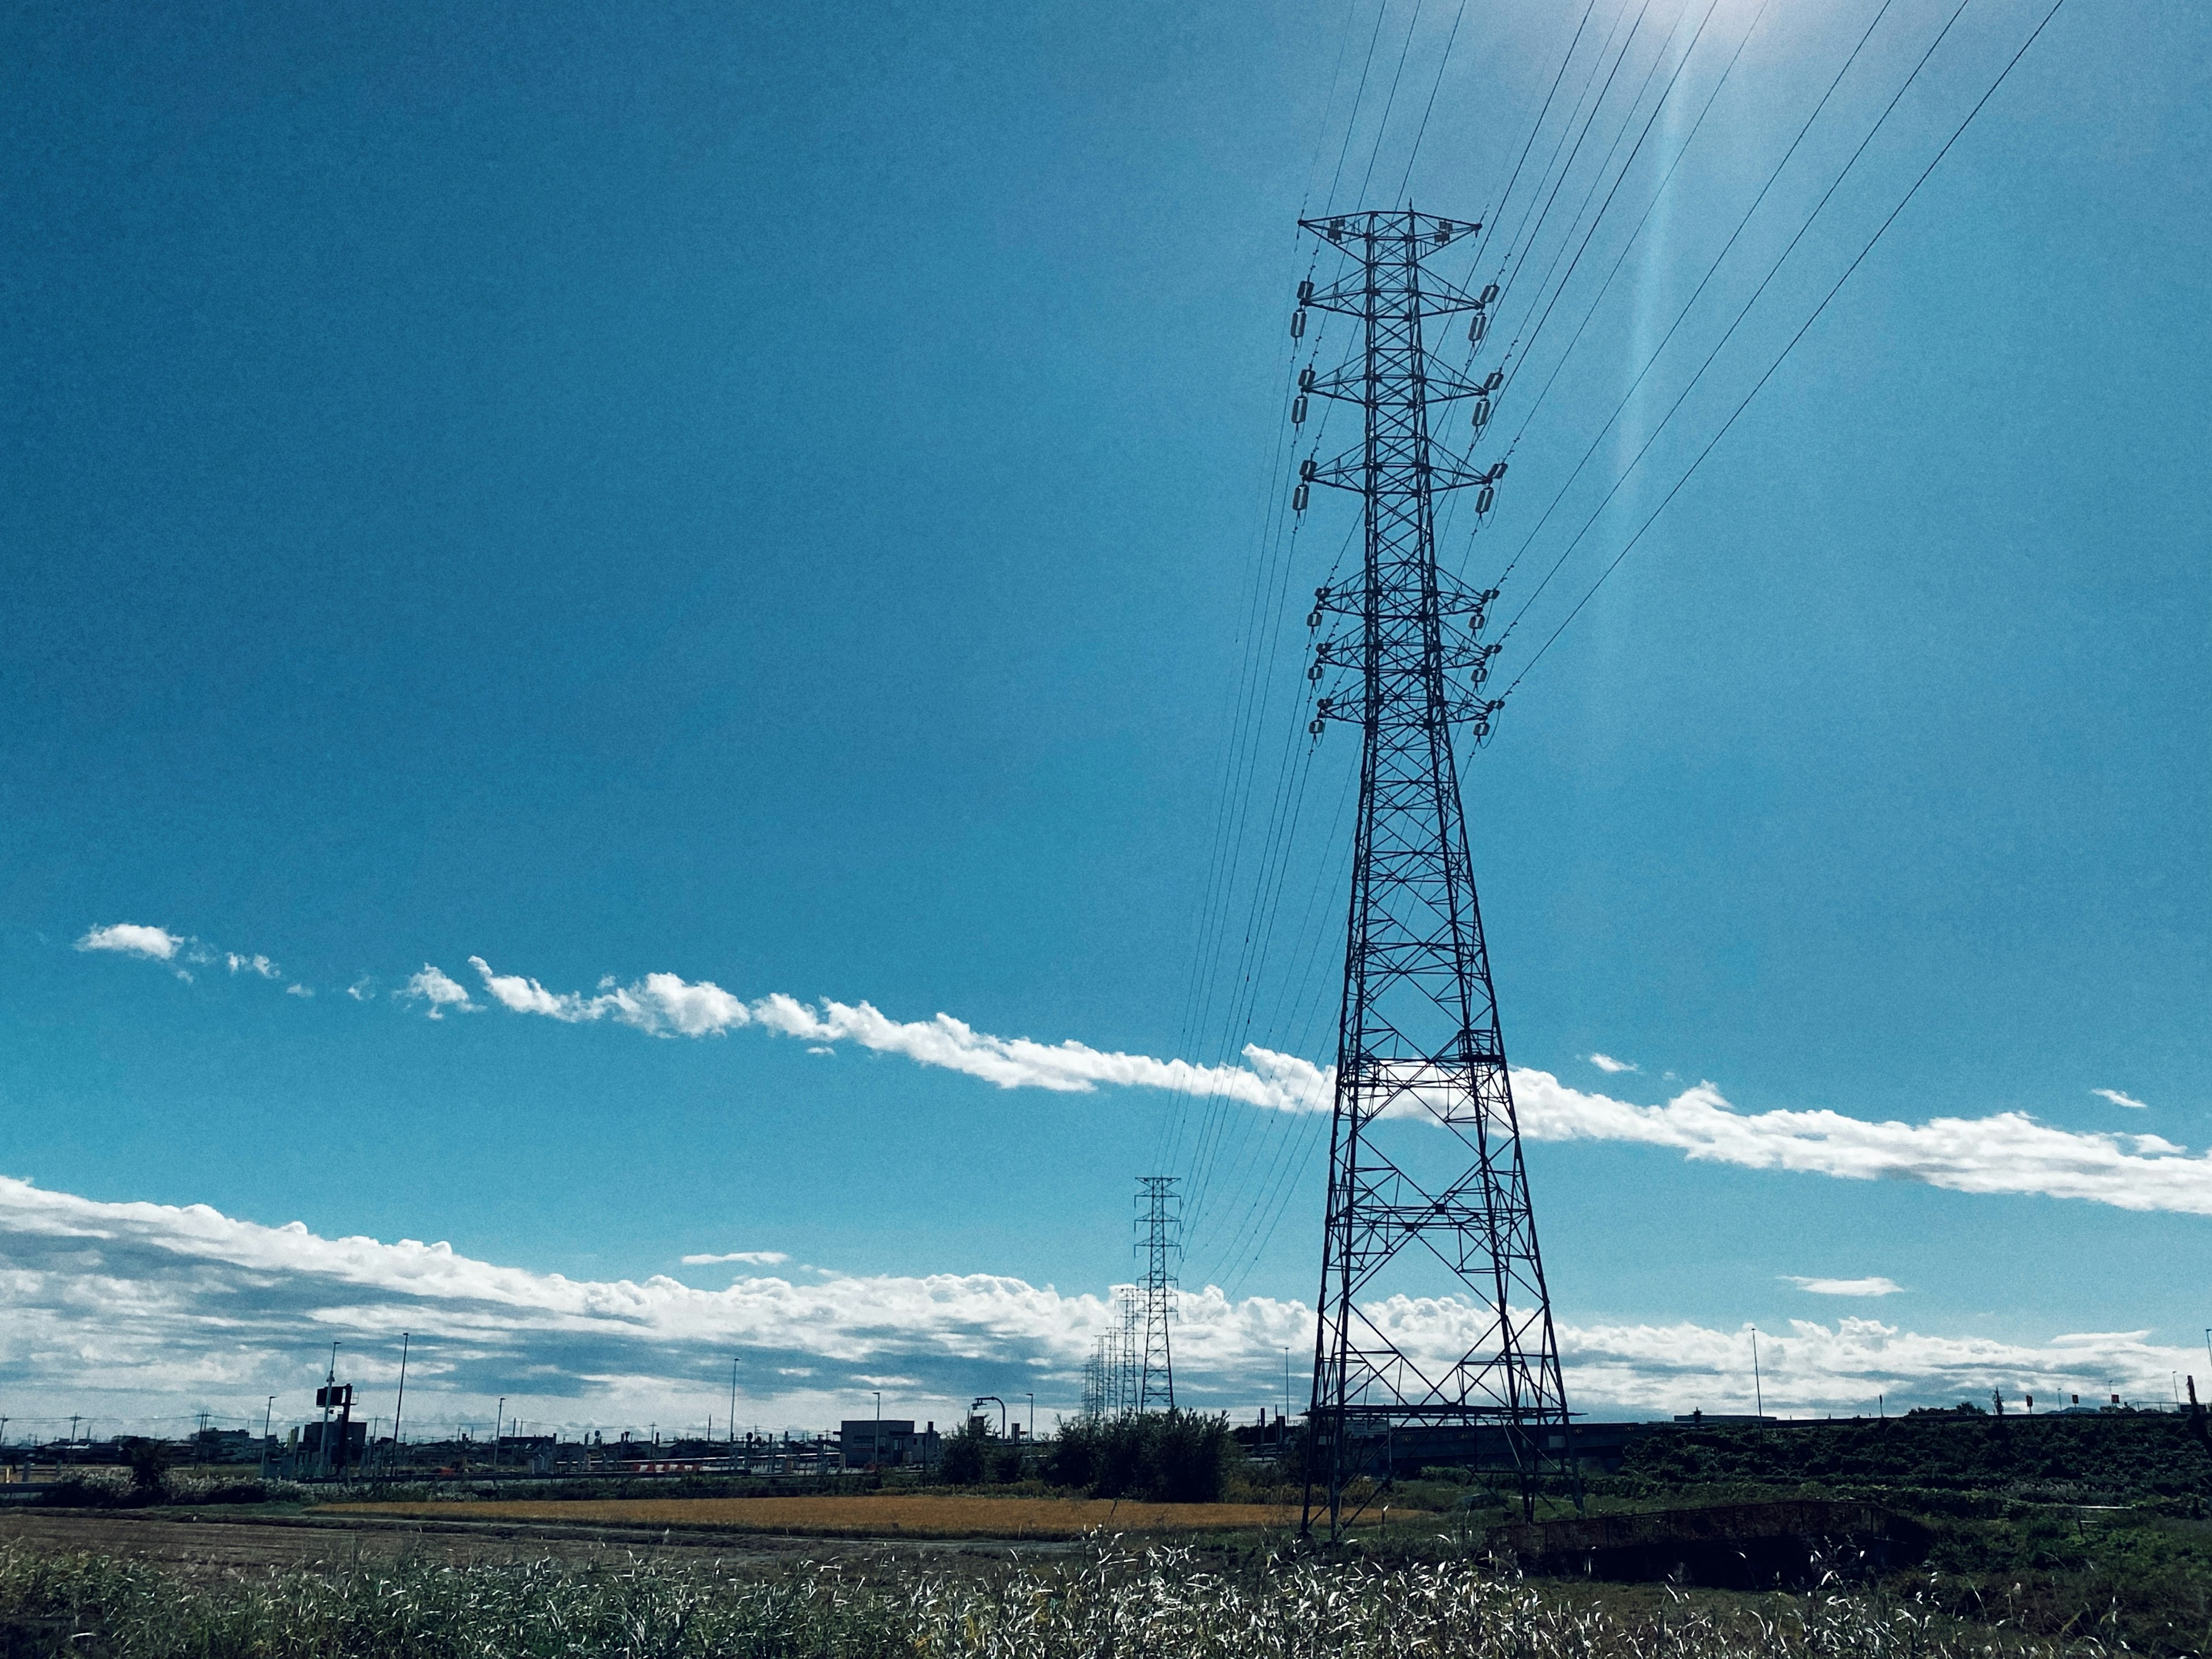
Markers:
point(1373, 236)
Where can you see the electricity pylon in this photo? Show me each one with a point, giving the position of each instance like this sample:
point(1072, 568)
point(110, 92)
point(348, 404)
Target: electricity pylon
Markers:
point(1418, 1037)
point(1160, 1233)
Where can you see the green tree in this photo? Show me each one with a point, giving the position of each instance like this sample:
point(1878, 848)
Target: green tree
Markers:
point(967, 1456)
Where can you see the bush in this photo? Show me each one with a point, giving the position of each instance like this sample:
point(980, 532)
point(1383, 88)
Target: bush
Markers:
point(1164, 1457)
point(967, 1456)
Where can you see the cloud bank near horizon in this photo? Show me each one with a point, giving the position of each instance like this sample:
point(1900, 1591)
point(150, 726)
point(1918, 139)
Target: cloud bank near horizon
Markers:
point(135, 1312)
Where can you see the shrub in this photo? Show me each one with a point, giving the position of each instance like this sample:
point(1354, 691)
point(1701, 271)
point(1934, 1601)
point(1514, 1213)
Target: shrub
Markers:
point(967, 1456)
point(1164, 1457)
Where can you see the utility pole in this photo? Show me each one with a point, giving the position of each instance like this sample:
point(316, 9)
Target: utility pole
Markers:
point(1418, 1034)
point(1758, 1394)
point(1160, 1233)
point(268, 1417)
point(498, 1418)
point(733, 1402)
point(324, 1398)
point(400, 1405)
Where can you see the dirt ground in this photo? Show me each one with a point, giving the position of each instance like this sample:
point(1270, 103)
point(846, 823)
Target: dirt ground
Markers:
point(215, 1541)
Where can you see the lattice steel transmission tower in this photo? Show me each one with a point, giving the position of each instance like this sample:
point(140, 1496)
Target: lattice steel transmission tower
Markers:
point(1159, 1235)
point(1126, 1352)
point(1419, 1037)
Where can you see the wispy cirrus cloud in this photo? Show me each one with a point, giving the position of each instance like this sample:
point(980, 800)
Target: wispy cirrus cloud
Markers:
point(749, 1257)
point(132, 1310)
point(1608, 1064)
point(1875, 1285)
point(2119, 1099)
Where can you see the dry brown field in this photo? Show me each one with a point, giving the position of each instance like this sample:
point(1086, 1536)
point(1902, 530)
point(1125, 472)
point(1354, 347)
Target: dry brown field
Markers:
point(887, 1515)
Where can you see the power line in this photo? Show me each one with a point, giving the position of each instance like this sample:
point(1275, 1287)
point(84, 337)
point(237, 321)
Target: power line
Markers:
point(1513, 351)
point(1351, 122)
point(1688, 305)
point(1836, 288)
point(1657, 196)
point(1737, 321)
point(1390, 102)
point(1429, 109)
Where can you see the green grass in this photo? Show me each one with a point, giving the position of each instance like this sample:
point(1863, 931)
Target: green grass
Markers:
point(1164, 1604)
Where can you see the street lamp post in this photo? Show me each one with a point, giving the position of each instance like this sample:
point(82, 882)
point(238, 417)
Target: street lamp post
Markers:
point(499, 1419)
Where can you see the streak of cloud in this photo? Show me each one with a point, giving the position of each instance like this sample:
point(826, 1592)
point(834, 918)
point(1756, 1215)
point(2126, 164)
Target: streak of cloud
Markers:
point(1875, 1285)
point(2004, 1152)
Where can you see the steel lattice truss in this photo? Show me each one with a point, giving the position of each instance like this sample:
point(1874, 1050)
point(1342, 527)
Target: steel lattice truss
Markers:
point(1420, 1035)
point(1159, 1234)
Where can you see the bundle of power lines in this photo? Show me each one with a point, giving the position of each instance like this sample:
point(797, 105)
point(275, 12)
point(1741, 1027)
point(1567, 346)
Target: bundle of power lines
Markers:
point(1643, 102)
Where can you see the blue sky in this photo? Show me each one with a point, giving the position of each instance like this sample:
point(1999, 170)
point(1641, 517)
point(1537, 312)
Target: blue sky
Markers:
point(772, 497)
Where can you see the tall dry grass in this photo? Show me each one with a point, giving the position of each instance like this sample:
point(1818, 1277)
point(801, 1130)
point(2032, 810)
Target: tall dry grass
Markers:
point(1159, 1604)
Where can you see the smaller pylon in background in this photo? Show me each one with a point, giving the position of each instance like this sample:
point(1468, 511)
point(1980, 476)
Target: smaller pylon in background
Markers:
point(1094, 1381)
point(1159, 1236)
point(1126, 1359)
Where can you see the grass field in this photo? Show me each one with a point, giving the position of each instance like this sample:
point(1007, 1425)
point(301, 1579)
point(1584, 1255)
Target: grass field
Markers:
point(1160, 1603)
point(919, 1515)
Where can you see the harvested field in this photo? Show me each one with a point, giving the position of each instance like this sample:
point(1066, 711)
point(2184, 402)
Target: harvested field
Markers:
point(222, 1542)
point(906, 1515)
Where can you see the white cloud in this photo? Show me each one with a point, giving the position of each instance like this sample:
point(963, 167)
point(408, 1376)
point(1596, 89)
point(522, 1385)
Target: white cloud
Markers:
point(2119, 1099)
point(665, 1003)
point(130, 1309)
point(158, 944)
point(255, 964)
point(363, 989)
point(2005, 1153)
point(1608, 1063)
point(662, 1004)
point(1877, 1286)
point(750, 1258)
point(434, 986)
point(299, 991)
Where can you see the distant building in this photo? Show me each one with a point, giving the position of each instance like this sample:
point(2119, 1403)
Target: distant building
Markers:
point(889, 1443)
point(348, 1442)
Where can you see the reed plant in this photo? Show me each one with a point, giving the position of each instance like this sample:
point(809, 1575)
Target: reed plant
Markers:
point(1107, 1603)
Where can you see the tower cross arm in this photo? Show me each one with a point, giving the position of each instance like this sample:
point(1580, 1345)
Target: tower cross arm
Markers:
point(1350, 470)
point(1351, 385)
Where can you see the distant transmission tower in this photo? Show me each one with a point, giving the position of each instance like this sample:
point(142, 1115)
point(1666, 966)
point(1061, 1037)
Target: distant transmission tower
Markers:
point(1159, 1234)
point(1126, 1372)
point(1096, 1371)
point(1419, 1037)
